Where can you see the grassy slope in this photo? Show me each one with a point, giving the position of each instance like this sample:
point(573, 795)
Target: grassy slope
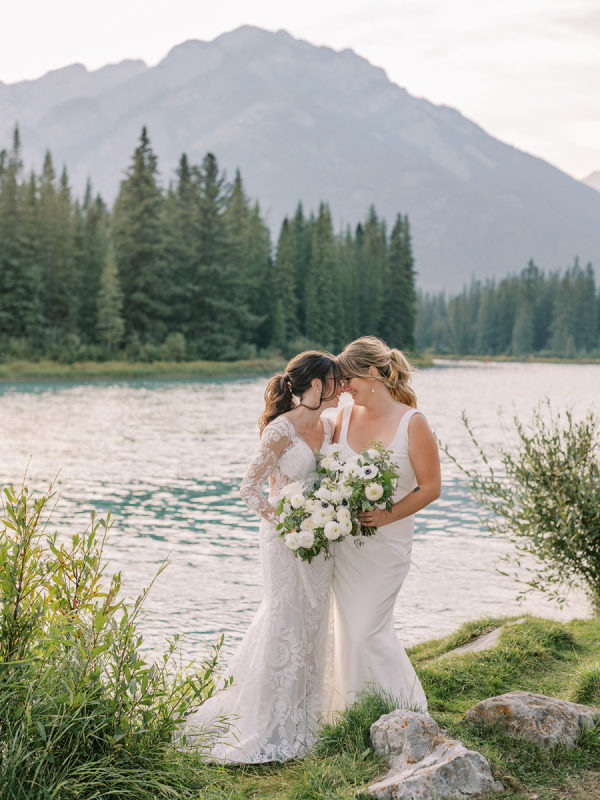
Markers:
point(537, 655)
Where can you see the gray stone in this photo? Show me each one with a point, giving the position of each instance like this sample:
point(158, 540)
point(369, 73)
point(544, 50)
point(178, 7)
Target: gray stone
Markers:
point(404, 735)
point(424, 763)
point(535, 717)
point(449, 771)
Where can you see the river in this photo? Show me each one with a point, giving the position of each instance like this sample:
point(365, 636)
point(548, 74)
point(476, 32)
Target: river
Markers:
point(167, 458)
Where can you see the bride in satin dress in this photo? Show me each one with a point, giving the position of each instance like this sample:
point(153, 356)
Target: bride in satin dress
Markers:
point(277, 698)
point(367, 579)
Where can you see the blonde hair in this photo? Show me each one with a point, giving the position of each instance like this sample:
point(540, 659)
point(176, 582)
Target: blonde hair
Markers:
point(392, 365)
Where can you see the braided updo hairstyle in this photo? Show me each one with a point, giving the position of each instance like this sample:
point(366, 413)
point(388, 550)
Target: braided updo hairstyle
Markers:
point(284, 389)
point(392, 365)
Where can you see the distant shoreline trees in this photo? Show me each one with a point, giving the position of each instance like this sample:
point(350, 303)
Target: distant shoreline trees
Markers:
point(189, 272)
point(532, 313)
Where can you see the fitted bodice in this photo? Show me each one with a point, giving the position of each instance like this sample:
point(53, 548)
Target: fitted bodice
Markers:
point(283, 457)
point(399, 447)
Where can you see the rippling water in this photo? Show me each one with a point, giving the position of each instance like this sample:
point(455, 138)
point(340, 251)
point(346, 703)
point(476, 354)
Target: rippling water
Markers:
point(167, 458)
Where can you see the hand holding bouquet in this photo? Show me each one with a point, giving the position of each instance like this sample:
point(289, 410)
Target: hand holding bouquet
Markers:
point(372, 477)
point(310, 521)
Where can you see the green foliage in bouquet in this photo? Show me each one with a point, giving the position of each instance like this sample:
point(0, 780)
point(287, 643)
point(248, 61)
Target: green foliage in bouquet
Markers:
point(83, 711)
point(545, 496)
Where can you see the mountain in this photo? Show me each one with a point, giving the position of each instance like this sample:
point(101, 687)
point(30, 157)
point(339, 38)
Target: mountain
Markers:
point(309, 123)
point(593, 180)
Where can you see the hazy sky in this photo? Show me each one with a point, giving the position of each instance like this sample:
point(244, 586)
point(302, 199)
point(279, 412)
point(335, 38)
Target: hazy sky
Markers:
point(528, 71)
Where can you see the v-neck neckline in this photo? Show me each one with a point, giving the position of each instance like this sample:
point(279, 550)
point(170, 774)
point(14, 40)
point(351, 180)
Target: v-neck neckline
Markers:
point(303, 440)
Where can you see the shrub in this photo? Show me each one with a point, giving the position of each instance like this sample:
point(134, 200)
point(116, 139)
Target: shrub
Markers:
point(173, 348)
point(546, 498)
point(82, 709)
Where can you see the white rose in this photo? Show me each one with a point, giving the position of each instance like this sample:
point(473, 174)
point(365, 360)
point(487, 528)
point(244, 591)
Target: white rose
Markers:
point(327, 463)
point(372, 453)
point(343, 513)
point(323, 493)
point(373, 491)
point(346, 491)
point(345, 526)
point(307, 524)
point(332, 530)
point(336, 497)
point(307, 538)
point(297, 500)
point(292, 540)
point(311, 505)
point(320, 516)
point(291, 488)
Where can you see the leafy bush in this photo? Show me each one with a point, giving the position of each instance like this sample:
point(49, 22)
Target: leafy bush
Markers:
point(83, 712)
point(173, 348)
point(546, 498)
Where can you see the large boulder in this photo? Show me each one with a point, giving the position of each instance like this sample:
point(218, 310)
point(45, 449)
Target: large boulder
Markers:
point(535, 717)
point(424, 763)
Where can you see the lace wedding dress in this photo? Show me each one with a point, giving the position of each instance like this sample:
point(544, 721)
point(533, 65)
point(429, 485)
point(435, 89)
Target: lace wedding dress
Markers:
point(277, 698)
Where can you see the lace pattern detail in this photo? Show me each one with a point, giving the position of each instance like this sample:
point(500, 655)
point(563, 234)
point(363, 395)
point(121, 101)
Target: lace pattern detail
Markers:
point(277, 699)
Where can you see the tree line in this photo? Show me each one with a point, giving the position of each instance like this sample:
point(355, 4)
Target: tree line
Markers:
point(189, 271)
point(553, 313)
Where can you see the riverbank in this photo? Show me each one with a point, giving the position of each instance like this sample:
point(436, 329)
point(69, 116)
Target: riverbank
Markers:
point(538, 655)
point(83, 371)
point(132, 370)
point(516, 359)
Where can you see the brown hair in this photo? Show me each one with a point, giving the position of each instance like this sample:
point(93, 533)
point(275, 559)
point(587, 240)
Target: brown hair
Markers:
point(392, 365)
point(299, 373)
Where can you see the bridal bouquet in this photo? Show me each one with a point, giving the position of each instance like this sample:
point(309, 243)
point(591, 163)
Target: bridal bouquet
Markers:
point(309, 521)
point(372, 477)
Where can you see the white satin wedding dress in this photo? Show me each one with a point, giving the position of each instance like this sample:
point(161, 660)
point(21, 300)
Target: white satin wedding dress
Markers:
point(277, 699)
point(366, 583)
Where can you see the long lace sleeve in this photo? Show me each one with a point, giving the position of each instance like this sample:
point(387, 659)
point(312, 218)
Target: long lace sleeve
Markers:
point(274, 440)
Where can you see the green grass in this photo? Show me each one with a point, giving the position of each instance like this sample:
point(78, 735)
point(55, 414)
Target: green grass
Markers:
point(125, 370)
point(537, 655)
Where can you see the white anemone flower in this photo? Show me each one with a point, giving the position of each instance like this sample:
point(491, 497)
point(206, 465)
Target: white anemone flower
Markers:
point(369, 471)
point(321, 516)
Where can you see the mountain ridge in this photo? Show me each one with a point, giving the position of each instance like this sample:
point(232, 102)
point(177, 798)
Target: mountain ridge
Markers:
point(308, 123)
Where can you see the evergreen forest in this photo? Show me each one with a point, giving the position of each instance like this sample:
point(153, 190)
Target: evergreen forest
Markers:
point(531, 313)
point(189, 272)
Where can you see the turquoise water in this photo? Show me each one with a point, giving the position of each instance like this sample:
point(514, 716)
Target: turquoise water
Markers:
point(167, 458)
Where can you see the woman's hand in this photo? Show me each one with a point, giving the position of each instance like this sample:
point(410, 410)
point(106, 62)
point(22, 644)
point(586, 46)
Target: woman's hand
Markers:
point(375, 518)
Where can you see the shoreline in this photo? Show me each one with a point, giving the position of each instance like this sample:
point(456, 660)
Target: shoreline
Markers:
point(83, 371)
point(516, 359)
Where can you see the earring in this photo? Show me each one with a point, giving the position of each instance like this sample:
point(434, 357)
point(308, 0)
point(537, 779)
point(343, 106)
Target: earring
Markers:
point(372, 390)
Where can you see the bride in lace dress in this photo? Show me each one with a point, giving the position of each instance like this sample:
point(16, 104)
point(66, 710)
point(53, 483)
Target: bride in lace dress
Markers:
point(277, 697)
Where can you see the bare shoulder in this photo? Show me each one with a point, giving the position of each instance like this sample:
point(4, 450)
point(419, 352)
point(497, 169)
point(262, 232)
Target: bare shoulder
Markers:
point(418, 427)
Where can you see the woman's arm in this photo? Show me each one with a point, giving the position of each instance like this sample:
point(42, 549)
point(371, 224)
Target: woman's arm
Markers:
point(425, 459)
point(275, 438)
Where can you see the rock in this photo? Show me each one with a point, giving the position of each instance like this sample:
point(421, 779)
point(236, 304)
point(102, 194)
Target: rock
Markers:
point(535, 717)
point(484, 642)
point(424, 763)
point(405, 735)
point(449, 771)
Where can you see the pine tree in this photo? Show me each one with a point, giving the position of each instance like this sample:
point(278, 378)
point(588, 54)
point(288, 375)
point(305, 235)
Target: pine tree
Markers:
point(109, 322)
point(285, 287)
point(399, 294)
point(139, 247)
point(320, 290)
